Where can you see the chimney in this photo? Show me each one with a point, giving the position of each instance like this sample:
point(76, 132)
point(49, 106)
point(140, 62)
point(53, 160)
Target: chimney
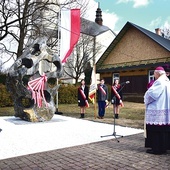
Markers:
point(158, 31)
point(99, 19)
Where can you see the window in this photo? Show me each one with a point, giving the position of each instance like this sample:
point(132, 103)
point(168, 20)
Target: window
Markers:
point(151, 75)
point(115, 75)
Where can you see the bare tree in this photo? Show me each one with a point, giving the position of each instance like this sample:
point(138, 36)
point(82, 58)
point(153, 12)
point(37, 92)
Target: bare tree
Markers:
point(22, 21)
point(82, 57)
point(166, 33)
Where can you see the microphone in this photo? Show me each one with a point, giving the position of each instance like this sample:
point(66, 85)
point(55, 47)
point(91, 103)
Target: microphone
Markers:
point(127, 82)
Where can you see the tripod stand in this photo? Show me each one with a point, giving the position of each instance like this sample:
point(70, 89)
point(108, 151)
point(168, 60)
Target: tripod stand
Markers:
point(114, 132)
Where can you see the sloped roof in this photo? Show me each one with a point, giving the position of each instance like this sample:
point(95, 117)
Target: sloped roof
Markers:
point(92, 28)
point(165, 43)
point(155, 37)
point(87, 27)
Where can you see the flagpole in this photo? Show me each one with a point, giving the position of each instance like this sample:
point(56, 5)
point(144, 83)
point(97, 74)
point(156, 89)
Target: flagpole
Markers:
point(95, 105)
point(94, 64)
point(58, 34)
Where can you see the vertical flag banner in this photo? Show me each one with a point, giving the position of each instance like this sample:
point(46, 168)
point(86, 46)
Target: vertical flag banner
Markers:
point(70, 32)
point(93, 85)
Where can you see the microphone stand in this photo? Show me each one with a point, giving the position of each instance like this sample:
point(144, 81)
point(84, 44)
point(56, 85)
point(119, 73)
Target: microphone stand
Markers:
point(114, 131)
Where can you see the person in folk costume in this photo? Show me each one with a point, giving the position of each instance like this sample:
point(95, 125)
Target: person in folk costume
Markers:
point(102, 96)
point(116, 97)
point(83, 93)
point(157, 114)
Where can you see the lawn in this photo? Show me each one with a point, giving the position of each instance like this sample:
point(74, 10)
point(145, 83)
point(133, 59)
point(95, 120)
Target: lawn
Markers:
point(131, 115)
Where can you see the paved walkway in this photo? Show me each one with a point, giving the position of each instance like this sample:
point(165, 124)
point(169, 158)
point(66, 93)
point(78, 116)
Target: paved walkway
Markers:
point(19, 137)
point(127, 154)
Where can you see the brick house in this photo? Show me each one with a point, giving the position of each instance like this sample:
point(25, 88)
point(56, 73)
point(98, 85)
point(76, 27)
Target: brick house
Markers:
point(132, 56)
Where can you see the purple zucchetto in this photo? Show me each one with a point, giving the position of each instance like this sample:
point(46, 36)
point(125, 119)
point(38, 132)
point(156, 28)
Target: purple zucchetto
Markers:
point(159, 68)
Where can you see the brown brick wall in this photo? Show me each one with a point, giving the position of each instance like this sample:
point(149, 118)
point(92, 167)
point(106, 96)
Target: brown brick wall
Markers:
point(135, 46)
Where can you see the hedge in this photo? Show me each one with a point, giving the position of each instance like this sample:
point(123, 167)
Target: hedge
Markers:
point(5, 98)
point(67, 95)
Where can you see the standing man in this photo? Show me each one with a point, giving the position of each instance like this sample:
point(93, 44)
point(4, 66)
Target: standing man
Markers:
point(157, 114)
point(102, 94)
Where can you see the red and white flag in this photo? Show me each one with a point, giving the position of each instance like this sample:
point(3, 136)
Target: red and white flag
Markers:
point(93, 85)
point(70, 32)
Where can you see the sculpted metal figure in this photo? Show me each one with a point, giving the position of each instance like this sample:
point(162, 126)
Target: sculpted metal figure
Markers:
point(28, 82)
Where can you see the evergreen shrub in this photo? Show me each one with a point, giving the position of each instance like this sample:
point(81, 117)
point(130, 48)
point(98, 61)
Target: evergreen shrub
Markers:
point(5, 98)
point(67, 94)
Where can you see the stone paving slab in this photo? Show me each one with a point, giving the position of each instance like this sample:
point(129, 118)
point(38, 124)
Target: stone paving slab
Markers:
point(128, 154)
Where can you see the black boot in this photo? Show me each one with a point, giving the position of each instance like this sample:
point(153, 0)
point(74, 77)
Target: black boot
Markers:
point(116, 116)
point(82, 115)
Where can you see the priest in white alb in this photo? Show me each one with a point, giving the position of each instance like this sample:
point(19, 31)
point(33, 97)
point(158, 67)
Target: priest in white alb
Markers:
point(157, 114)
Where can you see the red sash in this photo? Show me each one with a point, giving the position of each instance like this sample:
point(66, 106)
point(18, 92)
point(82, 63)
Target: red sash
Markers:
point(37, 88)
point(117, 95)
point(84, 97)
point(103, 91)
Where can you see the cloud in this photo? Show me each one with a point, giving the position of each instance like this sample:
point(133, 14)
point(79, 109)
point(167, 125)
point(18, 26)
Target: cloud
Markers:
point(136, 3)
point(167, 23)
point(159, 23)
point(109, 18)
point(89, 12)
point(156, 22)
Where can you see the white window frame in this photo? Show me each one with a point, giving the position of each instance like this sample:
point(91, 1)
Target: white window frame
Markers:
point(150, 75)
point(115, 75)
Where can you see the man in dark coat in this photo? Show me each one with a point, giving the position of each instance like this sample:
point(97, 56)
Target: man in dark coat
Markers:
point(102, 96)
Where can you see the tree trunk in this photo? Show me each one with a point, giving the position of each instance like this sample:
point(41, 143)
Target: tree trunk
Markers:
point(22, 30)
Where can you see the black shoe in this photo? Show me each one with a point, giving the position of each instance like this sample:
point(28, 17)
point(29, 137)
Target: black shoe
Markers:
point(82, 115)
point(116, 116)
point(0, 130)
point(151, 151)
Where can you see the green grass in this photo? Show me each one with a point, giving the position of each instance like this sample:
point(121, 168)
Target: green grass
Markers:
point(131, 115)
point(6, 111)
point(134, 111)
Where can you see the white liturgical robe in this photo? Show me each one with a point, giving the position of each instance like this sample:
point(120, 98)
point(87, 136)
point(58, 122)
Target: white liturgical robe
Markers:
point(157, 101)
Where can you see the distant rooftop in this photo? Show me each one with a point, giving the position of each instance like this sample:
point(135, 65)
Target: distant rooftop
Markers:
point(92, 28)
